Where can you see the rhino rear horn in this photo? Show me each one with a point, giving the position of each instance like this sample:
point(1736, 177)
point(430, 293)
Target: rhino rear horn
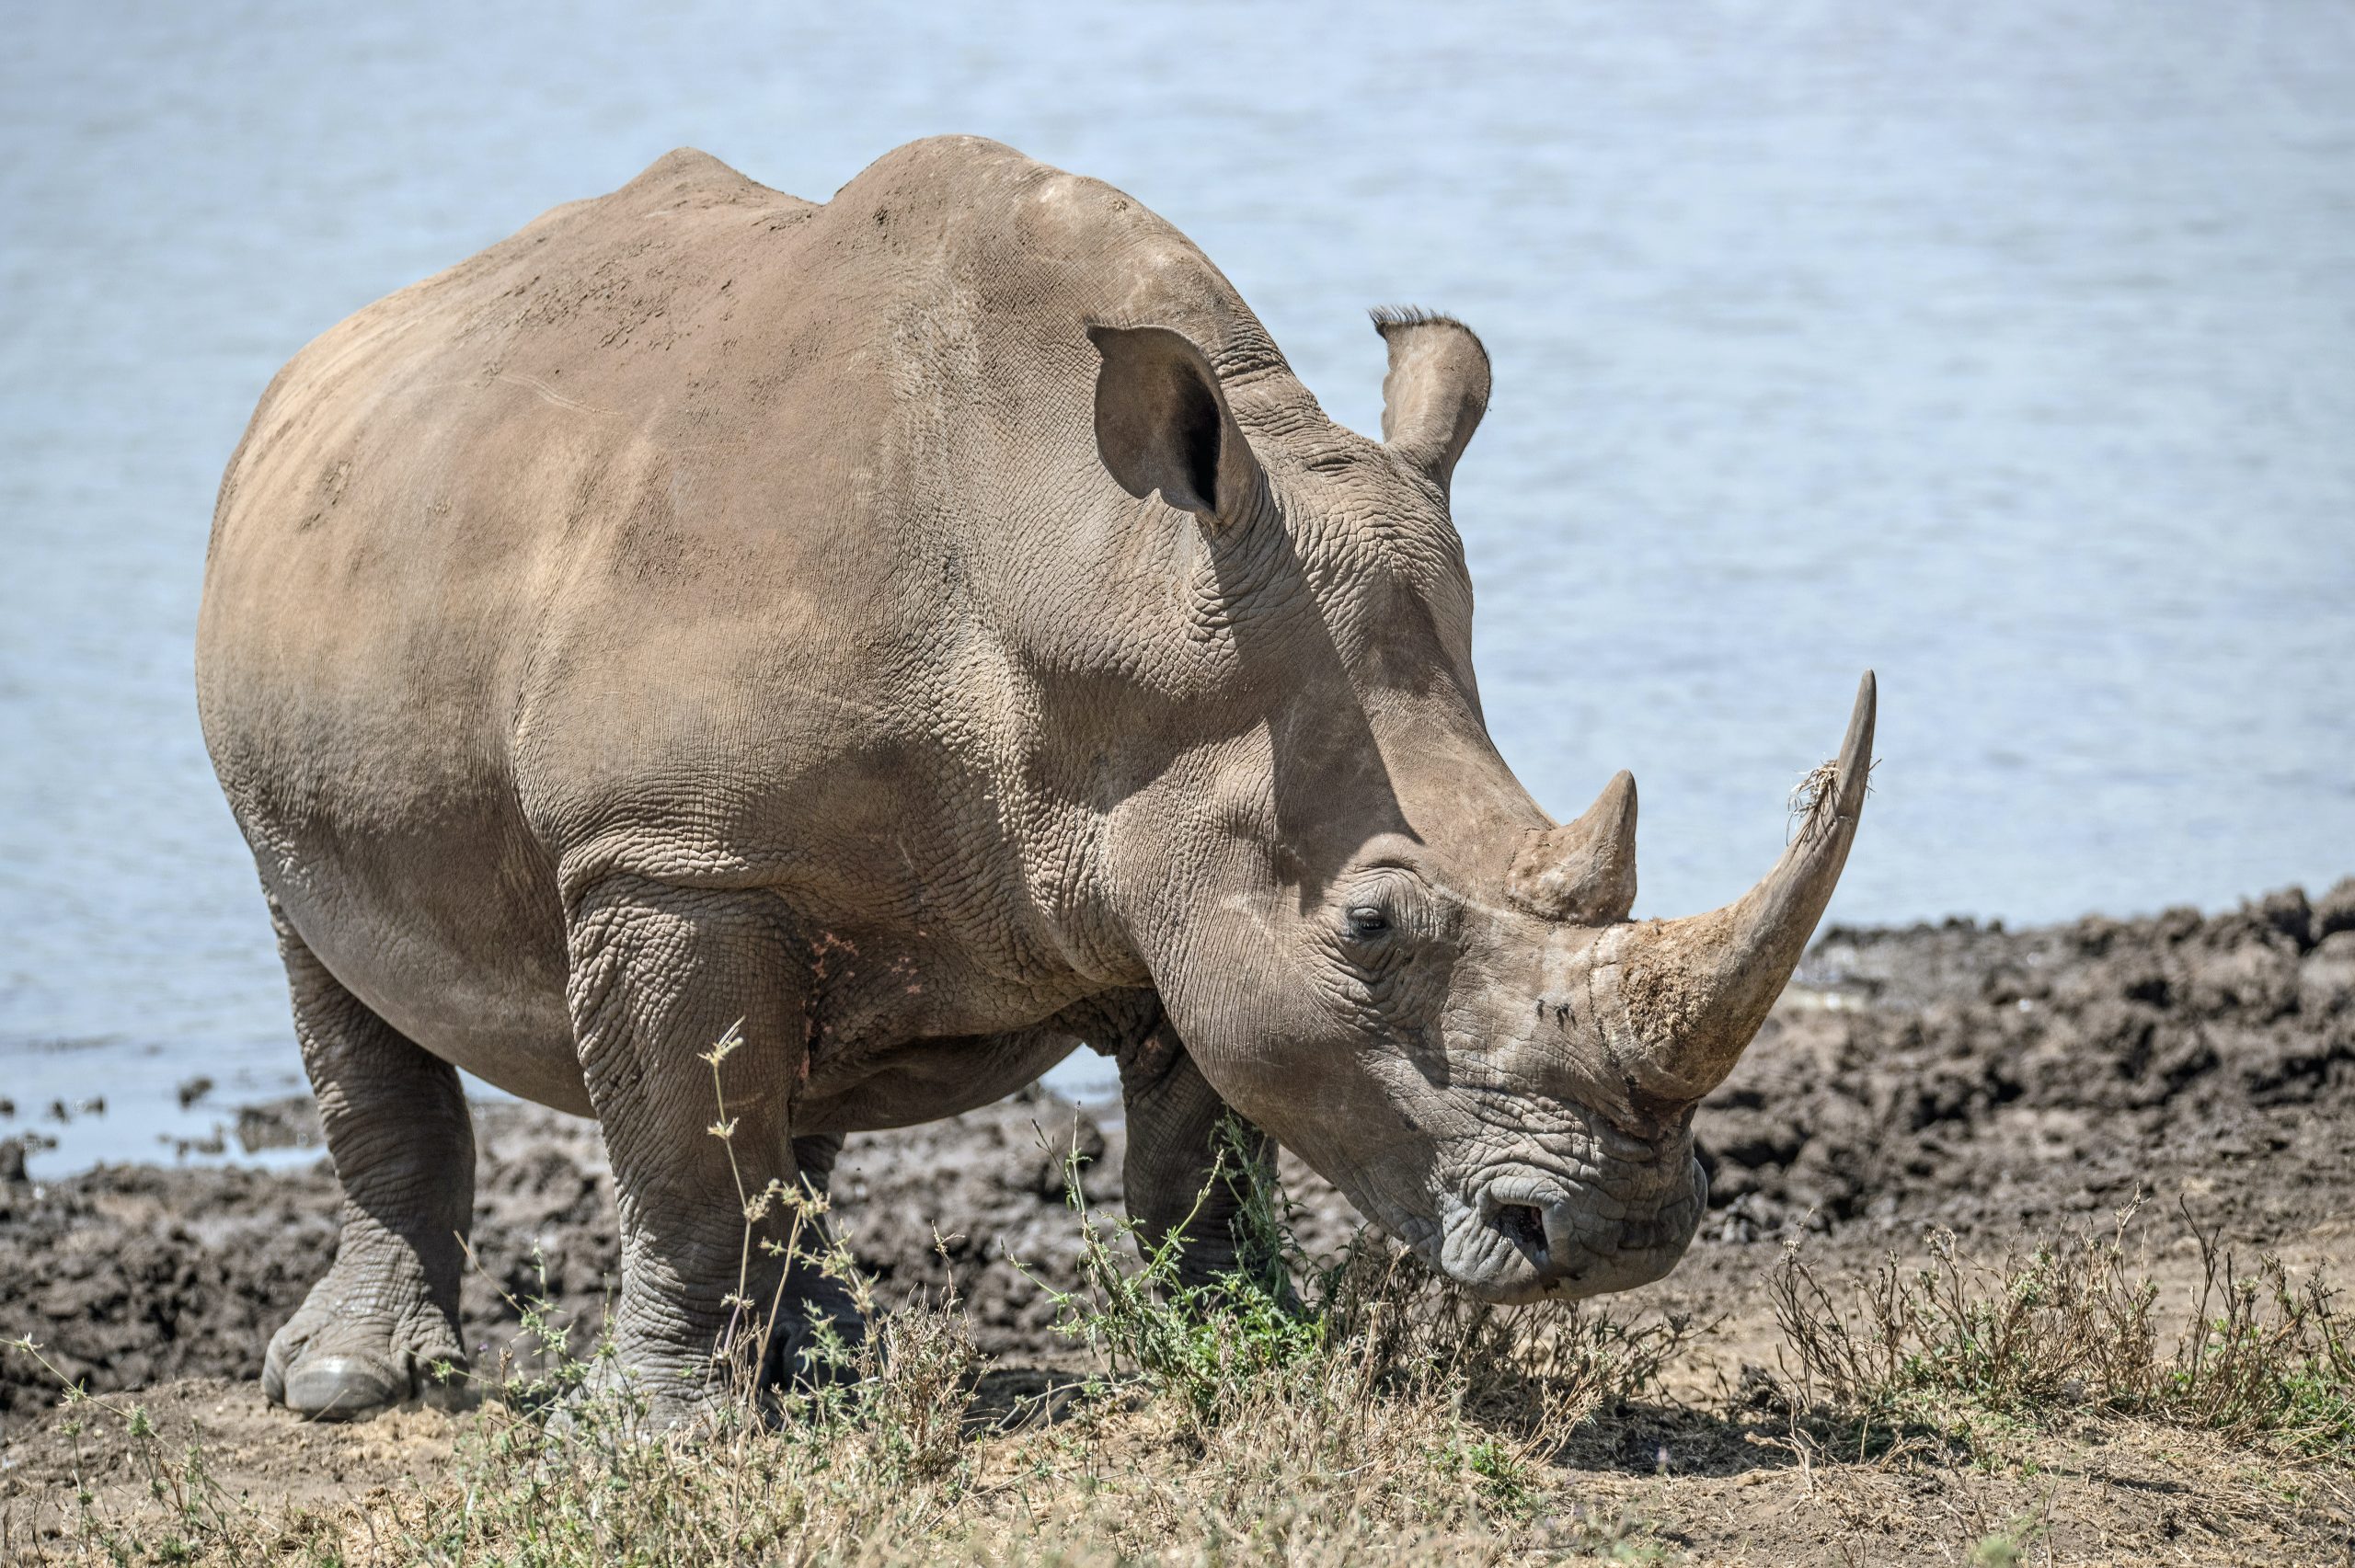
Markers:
point(1583, 872)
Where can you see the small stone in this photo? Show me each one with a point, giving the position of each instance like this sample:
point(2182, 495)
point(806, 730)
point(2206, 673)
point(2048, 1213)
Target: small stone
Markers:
point(290, 1123)
point(2287, 912)
point(2336, 909)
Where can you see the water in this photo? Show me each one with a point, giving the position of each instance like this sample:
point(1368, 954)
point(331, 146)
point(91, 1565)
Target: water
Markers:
point(2007, 348)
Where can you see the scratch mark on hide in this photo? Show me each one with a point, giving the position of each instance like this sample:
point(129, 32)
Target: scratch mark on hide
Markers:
point(551, 394)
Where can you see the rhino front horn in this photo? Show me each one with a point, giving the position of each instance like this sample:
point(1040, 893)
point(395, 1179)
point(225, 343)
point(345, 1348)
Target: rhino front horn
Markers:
point(1681, 999)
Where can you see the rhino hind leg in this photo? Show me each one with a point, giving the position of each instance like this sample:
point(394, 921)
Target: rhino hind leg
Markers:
point(1187, 1167)
point(371, 1330)
point(659, 975)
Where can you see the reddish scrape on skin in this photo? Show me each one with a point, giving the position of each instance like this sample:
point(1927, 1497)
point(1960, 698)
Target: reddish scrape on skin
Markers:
point(822, 967)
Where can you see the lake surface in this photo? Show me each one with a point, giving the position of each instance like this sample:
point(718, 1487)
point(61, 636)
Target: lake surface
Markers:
point(2008, 349)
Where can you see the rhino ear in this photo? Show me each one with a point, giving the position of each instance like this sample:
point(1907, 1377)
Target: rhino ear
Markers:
point(1162, 423)
point(1436, 391)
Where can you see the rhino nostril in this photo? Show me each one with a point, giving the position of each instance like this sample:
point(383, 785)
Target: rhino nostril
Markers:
point(1523, 1226)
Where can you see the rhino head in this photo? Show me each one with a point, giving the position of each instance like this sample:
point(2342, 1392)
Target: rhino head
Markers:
point(1379, 949)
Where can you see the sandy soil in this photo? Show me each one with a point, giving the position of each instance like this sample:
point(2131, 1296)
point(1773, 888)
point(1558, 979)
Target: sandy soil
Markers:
point(1990, 1082)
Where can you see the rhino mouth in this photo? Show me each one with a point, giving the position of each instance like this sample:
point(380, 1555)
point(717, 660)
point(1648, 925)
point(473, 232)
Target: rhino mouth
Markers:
point(1524, 1226)
point(1525, 1235)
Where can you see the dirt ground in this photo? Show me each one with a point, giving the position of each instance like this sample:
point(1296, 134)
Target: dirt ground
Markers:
point(1995, 1083)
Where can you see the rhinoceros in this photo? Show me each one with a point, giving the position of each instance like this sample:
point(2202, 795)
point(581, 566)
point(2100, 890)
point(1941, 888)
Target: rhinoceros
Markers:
point(923, 632)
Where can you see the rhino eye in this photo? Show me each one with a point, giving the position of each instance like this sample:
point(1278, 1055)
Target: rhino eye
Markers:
point(1365, 920)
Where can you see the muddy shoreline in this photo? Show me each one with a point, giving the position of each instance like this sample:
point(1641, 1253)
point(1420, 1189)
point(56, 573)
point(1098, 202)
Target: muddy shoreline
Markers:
point(1956, 1075)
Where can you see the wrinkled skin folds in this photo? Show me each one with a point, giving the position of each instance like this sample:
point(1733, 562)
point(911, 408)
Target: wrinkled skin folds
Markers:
point(931, 629)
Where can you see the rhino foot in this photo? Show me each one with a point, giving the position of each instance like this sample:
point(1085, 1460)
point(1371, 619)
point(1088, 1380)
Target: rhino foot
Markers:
point(817, 1340)
point(340, 1360)
point(645, 1385)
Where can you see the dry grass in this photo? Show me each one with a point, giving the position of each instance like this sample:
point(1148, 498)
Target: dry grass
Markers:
point(1999, 1414)
point(2067, 1330)
point(1348, 1410)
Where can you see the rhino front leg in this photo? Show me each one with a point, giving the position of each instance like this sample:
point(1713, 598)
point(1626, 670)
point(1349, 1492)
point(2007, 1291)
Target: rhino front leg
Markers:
point(404, 1149)
point(1183, 1168)
point(658, 974)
